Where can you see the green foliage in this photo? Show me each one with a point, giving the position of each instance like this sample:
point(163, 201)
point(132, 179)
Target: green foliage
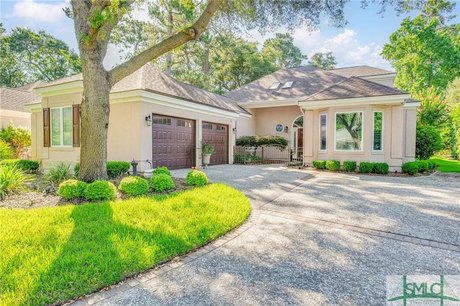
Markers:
point(260, 141)
point(100, 191)
point(133, 186)
point(411, 168)
point(76, 169)
point(281, 51)
point(27, 56)
point(23, 164)
point(423, 165)
point(162, 182)
point(380, 168)
point(97, 245)
point(58, 173)
point(12, 179)
point(366, 167)
point(319, 164)
point(6, 151)
point(433, 110)
point(333, 165)
point(446, 165)
point(72, 189)
point(349, 166)
point(161, 170)
point(196, 178)
point(117, 168)
point(324, 61)
point(18, 138)
point(246, 158)
point(207, 148)
point(453, 102)
point(428, 141)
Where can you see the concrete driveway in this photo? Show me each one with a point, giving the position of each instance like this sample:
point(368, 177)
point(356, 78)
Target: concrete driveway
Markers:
point(315, 238)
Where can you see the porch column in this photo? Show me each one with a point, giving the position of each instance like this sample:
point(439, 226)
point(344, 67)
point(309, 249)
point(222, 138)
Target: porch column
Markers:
point(308, 137)
point(198, 142)
point(231, 140)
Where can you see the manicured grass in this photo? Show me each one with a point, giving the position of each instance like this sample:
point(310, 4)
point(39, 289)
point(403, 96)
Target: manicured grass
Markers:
point(53, 254)
point(446, 165)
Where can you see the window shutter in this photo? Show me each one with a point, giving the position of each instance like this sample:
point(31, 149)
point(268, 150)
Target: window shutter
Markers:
point(76, 125)
point(46, 127)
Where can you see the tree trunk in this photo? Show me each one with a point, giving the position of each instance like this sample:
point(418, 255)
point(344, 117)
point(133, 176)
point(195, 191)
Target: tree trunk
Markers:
point(95, 111)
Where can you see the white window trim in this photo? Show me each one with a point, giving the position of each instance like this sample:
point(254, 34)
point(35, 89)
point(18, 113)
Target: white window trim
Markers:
point(61, 127)
point(335, 131)
point(319, 132)
point(383, 130)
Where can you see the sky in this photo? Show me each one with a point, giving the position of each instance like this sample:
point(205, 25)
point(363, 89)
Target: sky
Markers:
point(359, 42)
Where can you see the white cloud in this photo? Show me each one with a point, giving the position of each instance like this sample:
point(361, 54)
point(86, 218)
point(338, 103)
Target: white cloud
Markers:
point(49, 12)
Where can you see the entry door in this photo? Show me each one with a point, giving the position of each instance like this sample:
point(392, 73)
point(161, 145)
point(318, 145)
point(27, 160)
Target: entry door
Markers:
point(217, 136)
point(173, 142)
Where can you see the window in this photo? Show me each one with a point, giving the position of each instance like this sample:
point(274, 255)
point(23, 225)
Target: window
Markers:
point(378, 132)
point(287, 85)
point(184, 123)
point(61, 127)
point(349, 131)
point(221, 127)
point(275, 85)
point(323, 132)
point(207, 126)
point(161, 120)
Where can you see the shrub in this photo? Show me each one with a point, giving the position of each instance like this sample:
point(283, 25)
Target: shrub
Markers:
point(100, 191)
point(349, 166)
point(72, 189)
point(133, 186)
point(428, 141)
point(207, 148)
point(246, 158)
point(161, 182)
point(333, 165)
point(319, 164)
point(161, 170)
point(18, 138)
point(381, 168)
point(423, 166)
point(6, 151)
point(410, 168)
point(196, 178)
point(58, 173)
point(117, 168)
point(23, 164)
point(259, 141)
point(12, 179)
point(365, 167)
point(431, 164)
point(76, 169)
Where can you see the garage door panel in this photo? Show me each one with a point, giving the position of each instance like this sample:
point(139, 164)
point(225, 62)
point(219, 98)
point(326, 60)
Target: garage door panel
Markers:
point(173, 142)
point(217, 136)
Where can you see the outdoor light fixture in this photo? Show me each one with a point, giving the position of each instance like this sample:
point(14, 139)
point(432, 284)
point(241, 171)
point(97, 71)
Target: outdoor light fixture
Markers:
point(234, 130)
point(148, 120)
point(286, 129)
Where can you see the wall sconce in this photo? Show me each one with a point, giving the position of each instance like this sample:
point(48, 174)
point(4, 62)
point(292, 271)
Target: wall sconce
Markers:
point(234, 130)
point(286, 129)
point(148, 120)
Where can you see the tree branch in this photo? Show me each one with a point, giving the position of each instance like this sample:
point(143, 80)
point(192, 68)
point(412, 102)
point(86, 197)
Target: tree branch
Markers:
point(170, 43)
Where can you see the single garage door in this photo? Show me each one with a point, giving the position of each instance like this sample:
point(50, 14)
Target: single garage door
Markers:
point(217, 136)
point(173, 142)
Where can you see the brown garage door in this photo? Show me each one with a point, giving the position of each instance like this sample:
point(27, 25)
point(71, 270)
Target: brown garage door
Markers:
point(217, 136)
point(173, 142)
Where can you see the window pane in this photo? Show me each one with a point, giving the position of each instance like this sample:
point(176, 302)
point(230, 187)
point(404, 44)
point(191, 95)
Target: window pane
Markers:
point(323, 132)
point(349, 131)
point(56, 127)
point(67, 125)
point(378, 131)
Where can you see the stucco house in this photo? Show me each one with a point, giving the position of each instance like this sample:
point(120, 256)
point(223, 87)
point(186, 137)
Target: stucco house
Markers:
point(349, 113)
point(13, 105)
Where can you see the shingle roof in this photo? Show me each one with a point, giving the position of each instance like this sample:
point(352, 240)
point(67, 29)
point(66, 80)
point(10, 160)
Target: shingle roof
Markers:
point(150, 79)
point(362, 70)
point(16, 98)
point(354, 87)
point(307, 81)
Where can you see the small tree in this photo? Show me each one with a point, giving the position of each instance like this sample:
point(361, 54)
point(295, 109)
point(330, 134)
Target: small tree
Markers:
point(428, 141)
point(18, 138)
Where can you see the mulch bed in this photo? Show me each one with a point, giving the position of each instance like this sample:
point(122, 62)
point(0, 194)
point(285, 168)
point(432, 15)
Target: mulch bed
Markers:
point(37, 197)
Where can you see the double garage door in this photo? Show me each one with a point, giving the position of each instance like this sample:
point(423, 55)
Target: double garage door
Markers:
point(173, 142)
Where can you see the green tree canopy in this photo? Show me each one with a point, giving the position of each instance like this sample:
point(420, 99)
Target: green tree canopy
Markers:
point(282, 52)
point(324, 61)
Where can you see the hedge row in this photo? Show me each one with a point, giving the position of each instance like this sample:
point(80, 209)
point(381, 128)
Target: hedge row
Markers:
point(351, 166)
point(418, 166)
point(23, 164)
point(130, 186)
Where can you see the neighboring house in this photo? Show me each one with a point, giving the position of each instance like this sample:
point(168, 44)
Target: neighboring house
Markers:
point(12, 105)
point(351, 113)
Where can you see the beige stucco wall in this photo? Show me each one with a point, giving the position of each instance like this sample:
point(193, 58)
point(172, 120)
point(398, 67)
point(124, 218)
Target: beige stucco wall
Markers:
point(18, 119)
point(267, 118)
point(246, 126)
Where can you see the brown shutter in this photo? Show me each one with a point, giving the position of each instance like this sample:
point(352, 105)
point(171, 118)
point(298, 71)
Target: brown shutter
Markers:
point(46, 127)
point(76, 125)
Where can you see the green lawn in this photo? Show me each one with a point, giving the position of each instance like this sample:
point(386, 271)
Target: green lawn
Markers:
point(53, 254)
point(446, 165)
